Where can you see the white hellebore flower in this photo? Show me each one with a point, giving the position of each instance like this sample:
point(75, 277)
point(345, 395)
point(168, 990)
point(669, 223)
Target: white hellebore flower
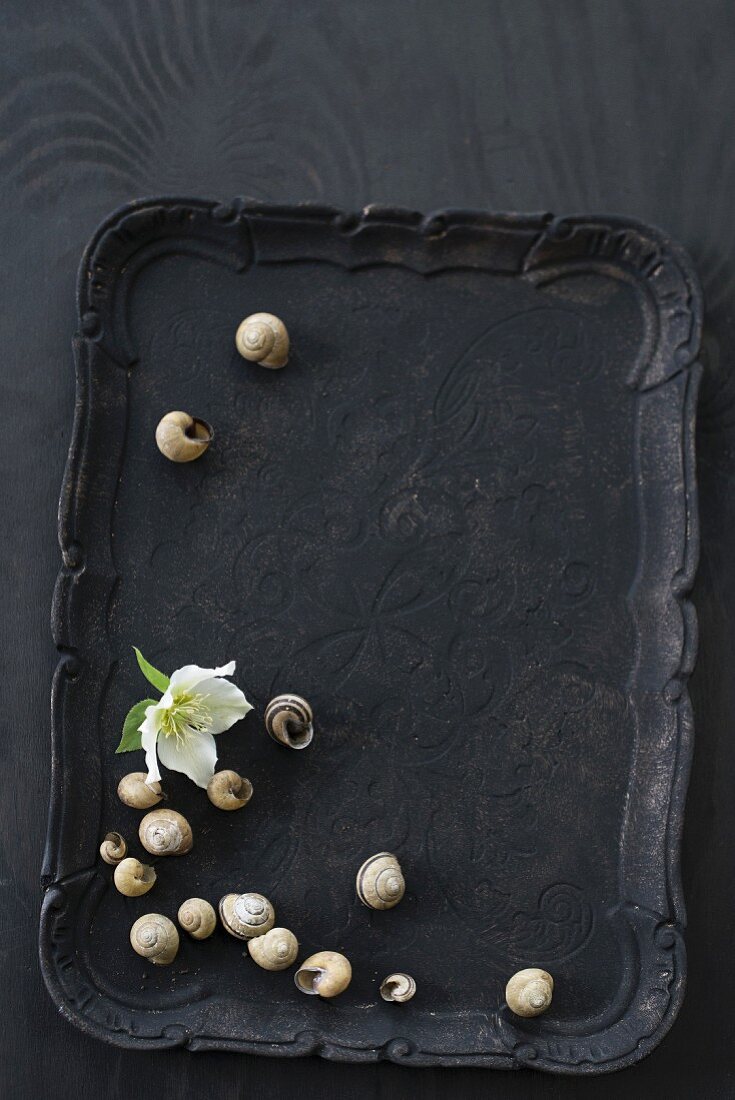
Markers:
point(197, 704)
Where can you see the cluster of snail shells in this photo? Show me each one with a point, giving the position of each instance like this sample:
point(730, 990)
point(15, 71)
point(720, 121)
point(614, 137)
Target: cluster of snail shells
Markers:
point(263, 338)
point(246, 915)
point(380, 882)
point(135, 790)
point(165, 833)
point(155, 938)
point(289, 721)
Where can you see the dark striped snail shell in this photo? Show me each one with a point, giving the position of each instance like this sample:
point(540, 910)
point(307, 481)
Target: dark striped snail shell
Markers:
point(380, 883)
point(289, 720)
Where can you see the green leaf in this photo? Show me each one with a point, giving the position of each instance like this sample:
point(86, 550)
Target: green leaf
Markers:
point(152, 675)
point(130, 739)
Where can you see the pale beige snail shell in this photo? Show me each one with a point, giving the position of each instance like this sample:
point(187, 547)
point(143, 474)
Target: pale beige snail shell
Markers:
point(380, 883)
point(246, 915)
point(165, 833)
point(529, 992)
point(134, 790)
point(133, 878)
point(113, 848)
point(289, 720)
point(197, 917)
point(229, 791)
point(276, 950)
point(398, 988)
point(327, 973)
point(155, 938)
point(263, 338)
point(182, 438)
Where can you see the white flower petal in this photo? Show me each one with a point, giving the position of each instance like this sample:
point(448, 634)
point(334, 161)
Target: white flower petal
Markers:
point(225, 703)
point(149, 730)
point(195, 757)
point(187, 677)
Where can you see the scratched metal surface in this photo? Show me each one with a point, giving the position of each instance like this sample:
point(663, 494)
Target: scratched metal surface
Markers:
point(511, 106)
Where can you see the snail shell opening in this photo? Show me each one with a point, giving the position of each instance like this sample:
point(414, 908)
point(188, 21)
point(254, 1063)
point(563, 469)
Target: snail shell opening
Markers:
point(326, 974)
point(398, 988)
point(181, 437)
point(290, 721)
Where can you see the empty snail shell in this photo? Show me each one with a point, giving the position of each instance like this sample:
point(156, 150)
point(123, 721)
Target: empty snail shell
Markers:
point(113, 848)
point(165, 833)
point(228, 791)
point(155, 938)
point(182, 438)
point(197, 917)
point(326, 973)
point(380, 882)
point(246, 915)
point(276, 950)
point(398, 988)
point(262, 338)
point(289, 720)
point(133, 878)
point(134, 791)
point(529, 992)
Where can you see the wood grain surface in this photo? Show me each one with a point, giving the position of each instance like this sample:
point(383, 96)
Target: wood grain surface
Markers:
point(569, 105)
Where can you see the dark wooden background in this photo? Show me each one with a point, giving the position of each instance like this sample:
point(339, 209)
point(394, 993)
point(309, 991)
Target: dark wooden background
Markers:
point(620, 106)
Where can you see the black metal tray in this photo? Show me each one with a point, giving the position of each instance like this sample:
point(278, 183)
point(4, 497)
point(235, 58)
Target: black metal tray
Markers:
point(462, 522)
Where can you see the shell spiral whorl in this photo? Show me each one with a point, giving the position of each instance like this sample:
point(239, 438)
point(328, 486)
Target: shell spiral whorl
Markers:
point(290, 721)
point(263, 338)
point(380, 883)
point(165, 833)
point(246, 915)
point(155, 938)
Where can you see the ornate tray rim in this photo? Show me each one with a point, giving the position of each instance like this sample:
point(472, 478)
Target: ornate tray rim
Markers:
point(530, 246)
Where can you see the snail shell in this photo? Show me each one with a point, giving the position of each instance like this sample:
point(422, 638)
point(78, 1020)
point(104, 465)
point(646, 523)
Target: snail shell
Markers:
point(529, 992)
point(326, 973)
point(380, 882)
point(113, 848)
point(398, 988)
point(155, 938)
point(133, 878)
point(228, 791)
point(289, 720)
point(246, 915)
point(182, 438)
point(165, 833)
point(263, 338)
point(276, 950)
point(197, 917)
point(134, 791)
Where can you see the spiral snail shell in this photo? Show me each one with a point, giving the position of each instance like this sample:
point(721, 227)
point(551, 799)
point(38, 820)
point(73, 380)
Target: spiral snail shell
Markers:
point(380, 883)
point(228, 791)
point(134, 791)
point(182, 438)
point(246, 915)
point(276, 950)
point(155, 938)
point(263, 338)
point(133, 878)
point(197, 917)
point(165, 833)
point(113, 848)
point(529, 992)
point(398, 988)
point(327, 974)
point(289, 720)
